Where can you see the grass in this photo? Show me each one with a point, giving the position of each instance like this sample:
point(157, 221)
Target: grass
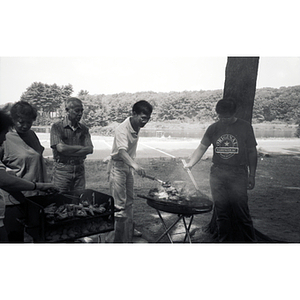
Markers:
point(274, 203)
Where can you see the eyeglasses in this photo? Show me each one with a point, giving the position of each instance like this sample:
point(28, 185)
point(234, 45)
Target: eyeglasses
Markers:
point(145, 118)
point(78, 110)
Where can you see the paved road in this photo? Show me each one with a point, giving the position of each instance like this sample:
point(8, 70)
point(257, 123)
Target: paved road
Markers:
point(175, 147)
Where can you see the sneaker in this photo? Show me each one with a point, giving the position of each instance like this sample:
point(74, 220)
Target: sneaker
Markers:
point(136, 233)
point(85, 240)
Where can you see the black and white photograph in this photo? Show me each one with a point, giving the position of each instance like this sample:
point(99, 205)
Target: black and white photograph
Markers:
point(69, 140)
point(155, 145)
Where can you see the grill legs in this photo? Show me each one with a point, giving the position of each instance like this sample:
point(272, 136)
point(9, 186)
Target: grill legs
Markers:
point(168, 229)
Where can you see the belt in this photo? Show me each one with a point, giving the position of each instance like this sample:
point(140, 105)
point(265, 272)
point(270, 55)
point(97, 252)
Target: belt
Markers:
point(69, 161)
point(224, 166)
point(117, 159)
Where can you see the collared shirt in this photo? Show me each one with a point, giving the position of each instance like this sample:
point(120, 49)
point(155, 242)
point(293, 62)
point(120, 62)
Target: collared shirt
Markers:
point(126, 138)
point(63, 132)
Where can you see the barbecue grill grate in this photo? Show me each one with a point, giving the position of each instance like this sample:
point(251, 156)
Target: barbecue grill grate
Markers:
point(70, 229)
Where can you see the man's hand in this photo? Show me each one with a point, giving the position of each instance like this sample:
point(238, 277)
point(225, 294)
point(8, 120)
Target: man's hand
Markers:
point(140, 170)
point(187, 166)
point(47, 162)
point(46, 187)
point(251, 182)
point(107, 159)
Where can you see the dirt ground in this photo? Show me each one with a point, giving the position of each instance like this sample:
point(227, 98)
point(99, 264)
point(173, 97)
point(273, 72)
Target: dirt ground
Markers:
point(274, 203)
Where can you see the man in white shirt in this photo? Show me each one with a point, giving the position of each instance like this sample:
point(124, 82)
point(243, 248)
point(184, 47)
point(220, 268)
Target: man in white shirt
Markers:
point(122, 165)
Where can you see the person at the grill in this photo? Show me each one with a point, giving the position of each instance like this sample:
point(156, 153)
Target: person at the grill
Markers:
point(71, 142)
point(121, 168)
point(232, 173)
point(22, 153)
point(12, 183)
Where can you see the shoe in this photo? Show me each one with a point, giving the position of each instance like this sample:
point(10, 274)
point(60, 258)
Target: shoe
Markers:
point(85, 240)
point(136, 233)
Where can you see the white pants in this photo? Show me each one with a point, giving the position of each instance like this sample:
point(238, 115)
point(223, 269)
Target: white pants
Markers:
point(121, 188)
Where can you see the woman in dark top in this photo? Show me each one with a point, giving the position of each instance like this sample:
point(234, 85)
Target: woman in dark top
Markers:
point(13, 183)
point(22, 153)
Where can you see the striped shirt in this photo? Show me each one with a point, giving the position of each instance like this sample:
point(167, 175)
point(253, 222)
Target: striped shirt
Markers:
point(63, 132)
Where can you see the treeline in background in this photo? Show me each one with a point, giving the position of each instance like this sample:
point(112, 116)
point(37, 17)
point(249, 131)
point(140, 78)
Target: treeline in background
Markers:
point(103, 112)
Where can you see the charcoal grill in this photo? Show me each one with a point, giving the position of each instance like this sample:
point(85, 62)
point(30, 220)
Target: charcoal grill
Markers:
point(183, 208)
point(70, 229)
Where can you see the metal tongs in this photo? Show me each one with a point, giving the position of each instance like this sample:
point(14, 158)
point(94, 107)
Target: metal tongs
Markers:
point(163, 183)
point(191, 176)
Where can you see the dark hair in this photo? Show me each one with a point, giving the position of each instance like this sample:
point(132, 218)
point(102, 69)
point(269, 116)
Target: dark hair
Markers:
point(5, 121)
point(23, 108)
point(226, 106)
point(142, 106)
point(71, 100)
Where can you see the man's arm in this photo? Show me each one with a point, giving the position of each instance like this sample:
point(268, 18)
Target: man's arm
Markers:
point(74, 150)
point(13, 183)
point(130, 162)
point(252, 159)
point(197, 155)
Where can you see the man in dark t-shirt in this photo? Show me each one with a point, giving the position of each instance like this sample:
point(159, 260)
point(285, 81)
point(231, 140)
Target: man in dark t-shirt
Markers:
point(234, 155)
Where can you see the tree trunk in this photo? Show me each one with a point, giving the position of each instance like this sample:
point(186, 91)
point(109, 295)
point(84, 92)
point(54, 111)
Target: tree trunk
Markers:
point(240, 84)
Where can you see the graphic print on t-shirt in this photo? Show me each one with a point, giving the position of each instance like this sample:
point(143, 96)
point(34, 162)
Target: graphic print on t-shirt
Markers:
point(227, 146)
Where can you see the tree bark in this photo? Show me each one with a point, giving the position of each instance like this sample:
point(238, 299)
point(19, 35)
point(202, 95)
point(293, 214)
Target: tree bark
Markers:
point(240, 84)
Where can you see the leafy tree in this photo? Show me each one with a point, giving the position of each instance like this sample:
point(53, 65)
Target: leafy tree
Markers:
point(45, 97)
point(270, 105)
point(82, 93)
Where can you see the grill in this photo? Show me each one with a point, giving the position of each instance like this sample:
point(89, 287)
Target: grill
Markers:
point(196, 205)
point(38, 226)
point(183, 208)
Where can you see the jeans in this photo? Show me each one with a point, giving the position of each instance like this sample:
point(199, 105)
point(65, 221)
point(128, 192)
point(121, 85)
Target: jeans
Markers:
point(121, 188)
point(3, 233)
point(229, 192)
point(14, 229)
point(2, 208)
point(69, 178)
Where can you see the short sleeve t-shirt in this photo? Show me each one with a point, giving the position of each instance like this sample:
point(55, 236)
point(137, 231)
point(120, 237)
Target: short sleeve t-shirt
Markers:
point(230, 142)
point(126, 138)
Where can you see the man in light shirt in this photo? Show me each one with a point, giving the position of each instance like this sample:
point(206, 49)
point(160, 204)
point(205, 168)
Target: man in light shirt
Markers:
point(122, 165)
